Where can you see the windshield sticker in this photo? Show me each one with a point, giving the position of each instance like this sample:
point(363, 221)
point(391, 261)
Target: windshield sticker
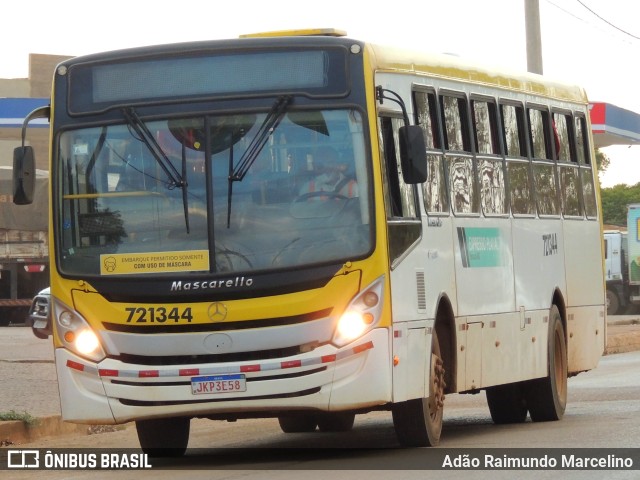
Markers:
point(154, 262)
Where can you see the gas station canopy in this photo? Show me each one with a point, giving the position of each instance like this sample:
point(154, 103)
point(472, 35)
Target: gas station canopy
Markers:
point(612, 125)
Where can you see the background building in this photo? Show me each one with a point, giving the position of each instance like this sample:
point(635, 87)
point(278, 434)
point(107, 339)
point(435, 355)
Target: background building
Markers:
point(18, 96)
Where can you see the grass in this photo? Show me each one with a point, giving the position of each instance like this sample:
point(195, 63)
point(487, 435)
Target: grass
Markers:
point(23, 417)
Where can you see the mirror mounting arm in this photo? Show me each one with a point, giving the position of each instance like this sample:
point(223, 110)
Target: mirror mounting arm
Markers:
point(380, 96)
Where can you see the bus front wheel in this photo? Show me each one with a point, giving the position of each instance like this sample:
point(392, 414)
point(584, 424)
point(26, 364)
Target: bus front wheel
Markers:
point(164, 437)
point(336, 421)
point(298, 423)
point(418, 422)
point(547, 397)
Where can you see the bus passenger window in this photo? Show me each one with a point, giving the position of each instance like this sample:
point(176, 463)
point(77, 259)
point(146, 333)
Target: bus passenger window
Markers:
point(586, 172)
point(455, 118)
point(561, 138)
point(427, 118)
point(546, 191)
point(520, 187)
point(582, 147)
point(485, 127)
point(490, 170)
point(569, 190)
point(461, 185)
point(567, 166)
point(492, 187)
point(512, 125)
point(537, 135)
point(434, 190)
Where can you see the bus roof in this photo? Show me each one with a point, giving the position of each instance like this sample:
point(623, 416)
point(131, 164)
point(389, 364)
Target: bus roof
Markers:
point(392, 59)
point(308, 32)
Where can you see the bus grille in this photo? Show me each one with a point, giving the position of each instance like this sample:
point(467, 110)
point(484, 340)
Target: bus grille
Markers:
point(211, 358)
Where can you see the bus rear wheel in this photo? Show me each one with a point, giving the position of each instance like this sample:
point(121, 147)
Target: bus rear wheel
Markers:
point(418, 422)
point(547, 397)
point(164, 437)
point(507, 403)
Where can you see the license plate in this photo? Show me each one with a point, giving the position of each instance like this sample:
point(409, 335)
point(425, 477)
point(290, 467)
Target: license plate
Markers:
point(218, 384)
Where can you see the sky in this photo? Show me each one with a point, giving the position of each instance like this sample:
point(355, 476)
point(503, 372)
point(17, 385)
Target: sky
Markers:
point(593, 43)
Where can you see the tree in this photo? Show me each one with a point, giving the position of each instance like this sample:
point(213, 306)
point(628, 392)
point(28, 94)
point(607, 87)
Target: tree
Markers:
point(615, 201)
point(602, 161)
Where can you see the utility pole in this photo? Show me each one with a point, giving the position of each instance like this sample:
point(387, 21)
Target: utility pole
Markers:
point(534, 38)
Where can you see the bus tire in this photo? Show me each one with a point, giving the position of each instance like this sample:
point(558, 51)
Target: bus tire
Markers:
point(507, 403)
point(164, 437)
point(336, 421)
point(418, 422)
point(547, 397)
point(298, 423)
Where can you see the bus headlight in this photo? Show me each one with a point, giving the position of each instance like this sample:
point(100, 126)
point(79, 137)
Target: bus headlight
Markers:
point(75, 333)
point(362, 314)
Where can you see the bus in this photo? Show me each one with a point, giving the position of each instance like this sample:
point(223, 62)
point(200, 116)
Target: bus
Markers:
point(303, 226)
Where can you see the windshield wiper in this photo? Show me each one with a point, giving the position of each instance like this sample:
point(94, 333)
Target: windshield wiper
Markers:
point(270, 123)
point(175, 178)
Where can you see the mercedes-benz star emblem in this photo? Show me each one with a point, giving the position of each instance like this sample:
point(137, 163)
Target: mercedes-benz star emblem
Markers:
point(217, 312)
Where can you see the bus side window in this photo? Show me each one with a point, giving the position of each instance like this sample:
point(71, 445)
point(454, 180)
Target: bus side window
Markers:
point(539, 134)
point(567, 165)
point(489, 165)
point(544, 167)
point(518, 168)
point(583, 154)
point(434, 190)
point(454, 114)
point(462, 181)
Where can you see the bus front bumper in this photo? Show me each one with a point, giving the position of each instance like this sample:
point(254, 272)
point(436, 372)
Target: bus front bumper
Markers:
point(357, 376)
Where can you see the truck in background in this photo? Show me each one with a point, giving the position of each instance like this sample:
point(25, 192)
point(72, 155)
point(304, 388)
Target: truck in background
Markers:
point(24, 248)
point(616, 271)
point(622, 264)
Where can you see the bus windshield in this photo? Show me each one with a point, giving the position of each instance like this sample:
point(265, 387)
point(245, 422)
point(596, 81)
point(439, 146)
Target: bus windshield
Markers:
point(229, 193)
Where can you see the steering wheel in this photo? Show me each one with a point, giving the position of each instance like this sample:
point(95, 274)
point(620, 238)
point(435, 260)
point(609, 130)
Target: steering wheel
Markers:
point(224, 262)
point(328, 195)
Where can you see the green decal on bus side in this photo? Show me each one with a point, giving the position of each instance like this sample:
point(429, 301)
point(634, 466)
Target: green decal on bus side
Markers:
point(633, 223)
point(480, 247)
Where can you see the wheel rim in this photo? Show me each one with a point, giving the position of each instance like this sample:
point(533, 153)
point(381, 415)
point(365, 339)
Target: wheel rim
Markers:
point(560, 367)
point(436, 394)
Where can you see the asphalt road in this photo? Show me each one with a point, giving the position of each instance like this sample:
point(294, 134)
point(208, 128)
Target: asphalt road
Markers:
point(602, 412)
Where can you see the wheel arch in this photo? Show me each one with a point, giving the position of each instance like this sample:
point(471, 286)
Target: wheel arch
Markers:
point(558, 301)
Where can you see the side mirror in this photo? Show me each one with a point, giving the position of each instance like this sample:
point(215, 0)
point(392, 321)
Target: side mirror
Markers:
point(24, 175)
point(413, 155)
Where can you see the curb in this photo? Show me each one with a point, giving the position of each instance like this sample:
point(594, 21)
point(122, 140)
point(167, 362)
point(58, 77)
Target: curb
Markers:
point(17, 431)
point(622, 343)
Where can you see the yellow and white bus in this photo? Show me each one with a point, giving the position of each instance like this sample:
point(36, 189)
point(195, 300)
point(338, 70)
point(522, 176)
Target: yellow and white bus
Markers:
point(304, 226)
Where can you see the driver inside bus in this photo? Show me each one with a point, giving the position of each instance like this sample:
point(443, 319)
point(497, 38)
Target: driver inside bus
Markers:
point(332, 175)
